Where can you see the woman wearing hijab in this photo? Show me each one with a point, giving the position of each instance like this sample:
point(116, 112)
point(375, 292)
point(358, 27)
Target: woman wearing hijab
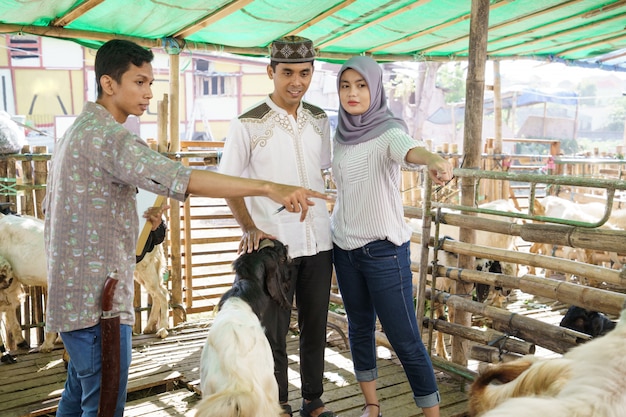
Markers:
point(370, 236)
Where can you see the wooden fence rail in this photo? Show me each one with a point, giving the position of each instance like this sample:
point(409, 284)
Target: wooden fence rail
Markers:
point(209, 237)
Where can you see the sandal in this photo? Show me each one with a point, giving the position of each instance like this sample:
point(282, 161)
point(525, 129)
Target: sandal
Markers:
point(306, 409)
point(373, 405)
point(286, 409)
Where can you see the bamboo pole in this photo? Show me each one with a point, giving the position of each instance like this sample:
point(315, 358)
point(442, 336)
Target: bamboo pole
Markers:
point(175, 253)
point(558, 339)
point(426, 221)
point(497, 109)
point(583, 296)
point(28, 178)
point(12, 173)
point(491, 354)
point(163, 117)
point(475, 86)
point(592, 272)
point(41, 178)
point(486, 337)
point(598, 239)
point(573, 180)
point(4, 165)
point(576, 237)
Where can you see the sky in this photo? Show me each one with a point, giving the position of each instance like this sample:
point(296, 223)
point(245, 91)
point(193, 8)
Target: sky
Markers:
point(521, 71)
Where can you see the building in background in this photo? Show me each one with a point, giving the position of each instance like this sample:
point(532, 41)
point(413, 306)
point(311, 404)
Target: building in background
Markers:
point(44, 82)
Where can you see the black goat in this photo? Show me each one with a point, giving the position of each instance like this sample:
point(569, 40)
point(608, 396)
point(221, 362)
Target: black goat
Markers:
point(586, 321)
point(237, 367)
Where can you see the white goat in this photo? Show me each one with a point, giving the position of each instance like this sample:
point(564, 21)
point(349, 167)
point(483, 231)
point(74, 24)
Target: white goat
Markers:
point(22, 244)
point(237, 368)
point(560, 208)
point(587, 381)
point(11, 295)
point(149, 273)
point(483, 238)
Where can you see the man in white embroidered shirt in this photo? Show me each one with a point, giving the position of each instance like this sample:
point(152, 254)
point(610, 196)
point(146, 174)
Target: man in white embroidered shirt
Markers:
point(284, 138)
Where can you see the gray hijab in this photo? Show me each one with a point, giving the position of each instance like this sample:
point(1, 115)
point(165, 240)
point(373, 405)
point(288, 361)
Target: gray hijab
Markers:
point(352, 130)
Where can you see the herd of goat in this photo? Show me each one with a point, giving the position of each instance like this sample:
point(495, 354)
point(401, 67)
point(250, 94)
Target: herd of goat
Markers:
point(236, 366)
point(23, 262)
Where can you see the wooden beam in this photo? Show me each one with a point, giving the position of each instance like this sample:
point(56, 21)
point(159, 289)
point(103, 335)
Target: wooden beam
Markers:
point(213, 17)
point(75, 13)
point(431, 30)
point(503, 25)
point(592, 42)
point(62, 33)
point(604, 8)
point(509, 36)
point(421, 33)
point(612, 57)
point(339, 6)
point(376, 22)
point(553, 36)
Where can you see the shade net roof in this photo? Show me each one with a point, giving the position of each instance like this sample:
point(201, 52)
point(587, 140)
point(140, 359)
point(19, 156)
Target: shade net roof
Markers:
point(581, 32)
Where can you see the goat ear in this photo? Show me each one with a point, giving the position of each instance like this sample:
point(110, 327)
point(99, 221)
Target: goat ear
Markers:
point(274, 282)
point(266, 243)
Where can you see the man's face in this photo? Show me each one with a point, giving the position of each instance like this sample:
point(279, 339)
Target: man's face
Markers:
point(291, 81)
point(133, 93)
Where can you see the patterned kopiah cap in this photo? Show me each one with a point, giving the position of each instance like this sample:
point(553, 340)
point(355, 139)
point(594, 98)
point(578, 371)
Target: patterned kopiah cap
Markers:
point(292, 49)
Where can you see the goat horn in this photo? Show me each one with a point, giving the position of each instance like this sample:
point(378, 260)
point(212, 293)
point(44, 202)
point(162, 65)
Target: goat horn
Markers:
point(266, 243)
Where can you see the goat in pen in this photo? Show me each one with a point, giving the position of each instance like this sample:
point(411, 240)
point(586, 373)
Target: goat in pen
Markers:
point(22, 244)
point(586, 381)
point(236, 367)
point(484, 293)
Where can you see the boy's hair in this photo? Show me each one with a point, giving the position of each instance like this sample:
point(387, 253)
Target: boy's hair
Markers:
point(114, 58)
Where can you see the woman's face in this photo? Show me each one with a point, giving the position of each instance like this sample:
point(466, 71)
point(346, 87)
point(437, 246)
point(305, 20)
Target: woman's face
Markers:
point(354, 93)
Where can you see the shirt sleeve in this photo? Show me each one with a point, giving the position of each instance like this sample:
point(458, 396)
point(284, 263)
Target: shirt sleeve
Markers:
point(399, 145)
point(326, 157)
point(236, 154)
point(131, 161)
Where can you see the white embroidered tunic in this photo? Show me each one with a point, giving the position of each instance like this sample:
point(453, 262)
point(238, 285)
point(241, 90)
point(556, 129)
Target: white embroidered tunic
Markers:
point(267, 143)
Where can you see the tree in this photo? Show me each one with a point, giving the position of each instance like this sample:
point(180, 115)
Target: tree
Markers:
point(451, 78)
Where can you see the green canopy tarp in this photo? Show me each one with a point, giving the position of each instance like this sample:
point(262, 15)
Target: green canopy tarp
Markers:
point(582, 32)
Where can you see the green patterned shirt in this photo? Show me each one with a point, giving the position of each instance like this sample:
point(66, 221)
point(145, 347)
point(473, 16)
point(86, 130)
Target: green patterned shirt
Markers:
point(91, 222)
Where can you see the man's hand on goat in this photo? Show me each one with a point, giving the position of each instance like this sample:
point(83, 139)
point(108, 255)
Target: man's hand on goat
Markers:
point(251, 238)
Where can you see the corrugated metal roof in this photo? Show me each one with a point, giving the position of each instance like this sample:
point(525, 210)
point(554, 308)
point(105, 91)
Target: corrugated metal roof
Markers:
point(581, 32)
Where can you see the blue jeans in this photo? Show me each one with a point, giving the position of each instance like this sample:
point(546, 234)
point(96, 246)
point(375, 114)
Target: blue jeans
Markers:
point(376, 279)
point(81, 394)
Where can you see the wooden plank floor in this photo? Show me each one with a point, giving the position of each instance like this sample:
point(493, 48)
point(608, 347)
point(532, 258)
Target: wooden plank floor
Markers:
point(164, 380)
point(164, 376)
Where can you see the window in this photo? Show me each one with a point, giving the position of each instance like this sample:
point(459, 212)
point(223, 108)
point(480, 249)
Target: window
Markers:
point(24, 50)
point(212, 83)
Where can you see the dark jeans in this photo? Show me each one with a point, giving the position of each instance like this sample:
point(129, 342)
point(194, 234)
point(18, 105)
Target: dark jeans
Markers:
point(310, 277)
point(376, 279)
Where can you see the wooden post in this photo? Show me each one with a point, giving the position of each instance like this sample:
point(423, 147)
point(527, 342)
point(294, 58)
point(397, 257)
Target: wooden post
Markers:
point(28, 206)
point(426, 223)
point(175, 253)
point(497, 109)
point(501, 188)
point(41, 178)
point(492, 355)
point(479, 24)
point(162, 118)
point(12, 173)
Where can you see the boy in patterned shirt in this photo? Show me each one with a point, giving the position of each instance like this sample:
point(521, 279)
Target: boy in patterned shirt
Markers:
point(91, 221)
